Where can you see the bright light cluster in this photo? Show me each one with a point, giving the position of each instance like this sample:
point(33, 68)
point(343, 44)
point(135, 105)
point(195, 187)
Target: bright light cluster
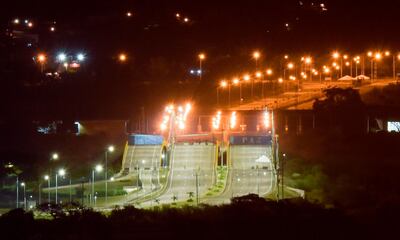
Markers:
point(216, 121)
point(180, 116)
point(233, 120)
point(168, 111)
point(267, 119)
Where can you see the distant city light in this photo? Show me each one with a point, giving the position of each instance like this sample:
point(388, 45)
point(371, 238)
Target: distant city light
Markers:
point(129, 14)
point(61, 172)
point(202, 56)
point(99, 168)
point(16, 21)
point(30, 24)
point(52, 29)
point(290, 65)
point(122, 57)
point(41, 58)
point(235, 81)
point(269, 71)
point(246, 77)
point(61, 57)
point(256, 55)
point(335, 55)
point(223, 84)
point(177, 15)
point(186, 19)
point(54, 156)
point(258, 74)
point(111, 148)
point(80, 57)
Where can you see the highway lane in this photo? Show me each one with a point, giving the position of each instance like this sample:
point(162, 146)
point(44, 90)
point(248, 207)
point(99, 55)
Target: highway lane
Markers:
point(189, 160)
point(250, 172)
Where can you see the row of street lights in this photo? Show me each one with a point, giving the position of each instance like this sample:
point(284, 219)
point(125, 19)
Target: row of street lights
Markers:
point(62, 172)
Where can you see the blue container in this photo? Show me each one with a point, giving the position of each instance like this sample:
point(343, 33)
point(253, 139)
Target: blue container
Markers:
point(142, 139)
point(250, 140)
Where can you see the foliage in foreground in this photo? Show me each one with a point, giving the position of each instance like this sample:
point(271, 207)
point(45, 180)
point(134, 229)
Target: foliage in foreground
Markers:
point(247, 216)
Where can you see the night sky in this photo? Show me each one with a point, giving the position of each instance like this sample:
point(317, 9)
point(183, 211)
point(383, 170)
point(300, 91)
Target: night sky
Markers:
point(162, 49)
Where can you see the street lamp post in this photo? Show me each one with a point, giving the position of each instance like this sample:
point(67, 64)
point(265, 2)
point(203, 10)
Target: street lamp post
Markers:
point(201, 56)
point(109, 149)
point(61, 173)
point(98, 168)
point(46, 177)
point(256, 56)
point(23, 185)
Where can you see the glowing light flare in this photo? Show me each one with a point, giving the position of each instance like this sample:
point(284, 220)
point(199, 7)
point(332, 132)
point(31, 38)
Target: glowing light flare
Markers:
point(258, 74)
point(280, 80)
point(41, 58)
point(266, 119)
point(61, 172)
point(223, 84)
point(122, 57)
point(308, 60)
point(216, 121)
point(99, 168)
point(246, 77)
point(269, 71)
point(233, 120)
point(378, 56)
point(235, 81)
point(202, 56)
point(256, 55)
point(335, 55)
point(290, 65)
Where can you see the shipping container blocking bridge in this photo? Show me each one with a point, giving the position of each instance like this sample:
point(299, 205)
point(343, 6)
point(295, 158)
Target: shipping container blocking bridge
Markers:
point(161, 167)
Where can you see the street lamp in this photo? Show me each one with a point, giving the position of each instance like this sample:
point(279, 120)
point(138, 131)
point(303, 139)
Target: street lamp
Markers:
point(224, 84)
point(23, 185)
point(61, 172)
point(122, 57)
point(47, 178)
point(201, 56)
point(237, 82)
point(80, 57)
point(256, 56)
point(110, 149)
point(336, 55)
point(42, 60)
point(98, 168)
point(61, 57)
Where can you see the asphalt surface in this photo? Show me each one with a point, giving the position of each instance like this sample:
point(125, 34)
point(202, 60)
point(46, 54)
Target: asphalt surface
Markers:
point(188, 161)
point(250, 172)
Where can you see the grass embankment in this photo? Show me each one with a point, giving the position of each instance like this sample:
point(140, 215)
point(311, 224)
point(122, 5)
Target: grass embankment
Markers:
point(219, 186)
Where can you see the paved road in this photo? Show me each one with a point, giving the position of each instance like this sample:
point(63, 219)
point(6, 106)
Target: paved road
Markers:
point(142, 161)
point(187, 160)
point(250, 172)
